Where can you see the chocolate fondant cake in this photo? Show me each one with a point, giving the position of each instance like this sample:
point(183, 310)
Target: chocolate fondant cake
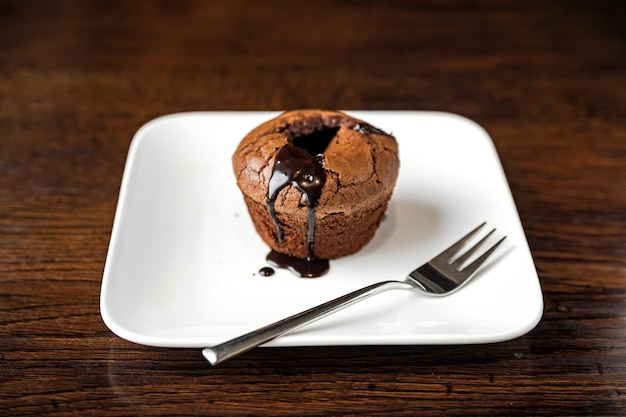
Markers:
point(316, 182)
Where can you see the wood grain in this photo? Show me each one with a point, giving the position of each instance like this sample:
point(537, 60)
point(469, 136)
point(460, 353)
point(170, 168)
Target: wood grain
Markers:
point(77, 78)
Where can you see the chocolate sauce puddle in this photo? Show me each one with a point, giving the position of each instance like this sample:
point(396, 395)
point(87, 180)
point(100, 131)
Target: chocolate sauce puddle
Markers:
point(299, 164)
point(304, 268)
point(266, 271)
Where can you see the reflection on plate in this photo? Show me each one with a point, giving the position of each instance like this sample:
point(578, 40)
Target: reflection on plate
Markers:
point(183, 261)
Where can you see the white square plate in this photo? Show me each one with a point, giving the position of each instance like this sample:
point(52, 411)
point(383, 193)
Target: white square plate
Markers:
point(183, 261)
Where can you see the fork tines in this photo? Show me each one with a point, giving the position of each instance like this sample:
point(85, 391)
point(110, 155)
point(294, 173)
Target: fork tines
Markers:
point(449, 254)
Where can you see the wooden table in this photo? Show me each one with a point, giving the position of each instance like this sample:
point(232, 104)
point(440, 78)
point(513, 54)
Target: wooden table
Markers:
point(547, 80)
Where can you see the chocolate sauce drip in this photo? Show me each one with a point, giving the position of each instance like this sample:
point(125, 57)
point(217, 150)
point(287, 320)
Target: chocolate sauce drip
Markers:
point(299, 164)
point(295, 166)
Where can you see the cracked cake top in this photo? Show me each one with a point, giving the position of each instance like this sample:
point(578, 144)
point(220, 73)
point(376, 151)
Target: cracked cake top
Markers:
point(358, 160)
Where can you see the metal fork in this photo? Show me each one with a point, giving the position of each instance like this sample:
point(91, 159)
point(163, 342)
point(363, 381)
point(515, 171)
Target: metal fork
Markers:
point(442, 275)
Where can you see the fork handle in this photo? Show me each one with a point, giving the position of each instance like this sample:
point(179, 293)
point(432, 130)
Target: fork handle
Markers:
point(241, 344)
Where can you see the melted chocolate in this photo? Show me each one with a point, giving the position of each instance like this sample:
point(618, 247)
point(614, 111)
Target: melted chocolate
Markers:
point(304, 268)
point(295, 166)
point(367, 129)
point(317, 142)
point(299, 164)
point(266, 271)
